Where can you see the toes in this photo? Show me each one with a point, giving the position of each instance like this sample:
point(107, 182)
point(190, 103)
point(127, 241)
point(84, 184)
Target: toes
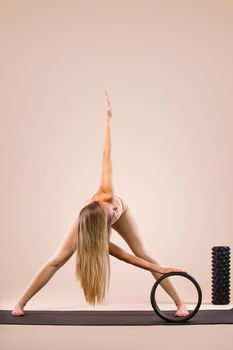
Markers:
point(15, 313)
point(181, 314)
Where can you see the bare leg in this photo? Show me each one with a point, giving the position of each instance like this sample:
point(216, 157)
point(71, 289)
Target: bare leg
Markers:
point(169, 287)
point(41, 278)
point(128, 229)
point(63, 253)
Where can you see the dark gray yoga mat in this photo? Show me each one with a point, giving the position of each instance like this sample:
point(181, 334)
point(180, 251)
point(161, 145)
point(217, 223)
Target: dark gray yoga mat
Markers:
point(111, 318)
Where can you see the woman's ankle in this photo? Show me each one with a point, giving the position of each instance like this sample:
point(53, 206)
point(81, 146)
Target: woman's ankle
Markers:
point(22, 303)
point(178, 302)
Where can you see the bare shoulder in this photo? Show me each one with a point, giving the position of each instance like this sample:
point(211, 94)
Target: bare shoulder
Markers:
point(103, 196)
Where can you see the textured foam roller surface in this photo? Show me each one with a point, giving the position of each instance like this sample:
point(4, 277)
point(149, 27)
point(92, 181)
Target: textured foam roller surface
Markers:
point(111, 318)
point(221, 275)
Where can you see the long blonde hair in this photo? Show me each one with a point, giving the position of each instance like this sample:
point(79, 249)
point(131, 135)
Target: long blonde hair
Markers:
point(92, 255)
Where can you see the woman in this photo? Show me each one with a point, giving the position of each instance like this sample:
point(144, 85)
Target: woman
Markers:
point(89, 236)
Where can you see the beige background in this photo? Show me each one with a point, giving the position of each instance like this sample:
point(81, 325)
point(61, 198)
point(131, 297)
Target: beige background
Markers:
point(167, 66)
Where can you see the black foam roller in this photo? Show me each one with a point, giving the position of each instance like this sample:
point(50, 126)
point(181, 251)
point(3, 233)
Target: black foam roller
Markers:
point(221, 275)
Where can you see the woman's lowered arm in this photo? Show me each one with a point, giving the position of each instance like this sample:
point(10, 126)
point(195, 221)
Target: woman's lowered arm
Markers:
point(121, 254)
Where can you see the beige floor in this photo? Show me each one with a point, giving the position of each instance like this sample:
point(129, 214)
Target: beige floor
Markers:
point(208, 337)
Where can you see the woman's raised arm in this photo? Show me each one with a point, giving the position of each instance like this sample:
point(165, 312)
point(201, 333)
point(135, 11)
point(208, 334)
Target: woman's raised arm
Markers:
point(106, 185)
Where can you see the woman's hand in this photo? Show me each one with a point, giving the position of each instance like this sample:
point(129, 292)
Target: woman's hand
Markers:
point(108, 108)
point(163, 270)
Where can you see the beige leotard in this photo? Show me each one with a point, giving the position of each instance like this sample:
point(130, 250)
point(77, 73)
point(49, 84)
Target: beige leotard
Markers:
point(120, 205)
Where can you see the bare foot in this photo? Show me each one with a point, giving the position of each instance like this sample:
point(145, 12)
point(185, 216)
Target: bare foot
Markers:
point(181, 310)
point(18, 310)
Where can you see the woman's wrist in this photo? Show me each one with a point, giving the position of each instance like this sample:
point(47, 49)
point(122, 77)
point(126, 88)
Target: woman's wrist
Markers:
point(156, 268)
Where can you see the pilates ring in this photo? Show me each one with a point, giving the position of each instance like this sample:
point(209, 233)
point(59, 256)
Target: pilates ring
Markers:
point(161, 313)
